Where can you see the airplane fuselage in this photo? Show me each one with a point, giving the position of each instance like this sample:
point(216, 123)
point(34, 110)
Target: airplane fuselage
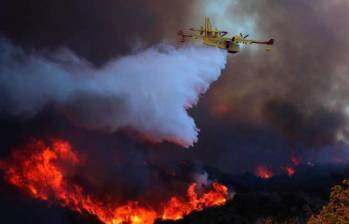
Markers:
point(222, 43)
point(216, 38)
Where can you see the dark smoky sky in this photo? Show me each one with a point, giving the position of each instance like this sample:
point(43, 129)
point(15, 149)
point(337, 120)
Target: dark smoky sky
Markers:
point(291, 100)
point(265, 107)
point(96, 30)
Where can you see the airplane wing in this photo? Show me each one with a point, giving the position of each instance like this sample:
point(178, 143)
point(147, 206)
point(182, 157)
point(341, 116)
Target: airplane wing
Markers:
point(184, 35)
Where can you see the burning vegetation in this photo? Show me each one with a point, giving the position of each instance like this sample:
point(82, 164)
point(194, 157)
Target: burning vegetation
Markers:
point(264, 173)
point(290, 169)
point(46, 172)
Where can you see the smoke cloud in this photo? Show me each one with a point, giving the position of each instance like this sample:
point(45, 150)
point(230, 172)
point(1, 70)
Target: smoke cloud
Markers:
point(266, 106)
point(148, 92)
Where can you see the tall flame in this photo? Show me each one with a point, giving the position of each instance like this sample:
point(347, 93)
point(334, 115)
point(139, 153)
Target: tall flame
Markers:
point(43, 172)
point(175, 209)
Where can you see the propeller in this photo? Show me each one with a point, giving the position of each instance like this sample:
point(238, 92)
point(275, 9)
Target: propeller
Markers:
point(244, 37)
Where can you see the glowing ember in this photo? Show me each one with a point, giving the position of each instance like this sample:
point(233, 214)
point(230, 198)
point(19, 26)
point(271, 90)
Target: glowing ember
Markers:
point(290, 171)
point(220, 110)
point(264, 173)
point(42, 171)
point(296, 160)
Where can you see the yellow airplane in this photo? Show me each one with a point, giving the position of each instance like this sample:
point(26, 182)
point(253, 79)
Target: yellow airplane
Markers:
point(217, 38)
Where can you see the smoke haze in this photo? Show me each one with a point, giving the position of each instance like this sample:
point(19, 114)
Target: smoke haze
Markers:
point(264, 108)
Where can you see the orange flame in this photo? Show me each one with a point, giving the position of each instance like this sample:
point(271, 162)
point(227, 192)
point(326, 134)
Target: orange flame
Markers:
point(44, 175)
point(176, 209)
point(264, 173)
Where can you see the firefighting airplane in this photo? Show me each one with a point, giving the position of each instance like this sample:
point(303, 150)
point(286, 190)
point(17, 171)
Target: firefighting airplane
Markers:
point(217, 38)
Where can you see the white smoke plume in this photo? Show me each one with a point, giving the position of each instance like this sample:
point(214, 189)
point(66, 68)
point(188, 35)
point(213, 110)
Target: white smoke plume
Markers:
point(148, 92)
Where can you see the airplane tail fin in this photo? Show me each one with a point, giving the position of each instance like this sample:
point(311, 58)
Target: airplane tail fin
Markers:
point(208, 24)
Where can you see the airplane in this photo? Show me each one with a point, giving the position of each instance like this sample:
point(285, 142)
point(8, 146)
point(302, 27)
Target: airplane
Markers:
point(213, 37)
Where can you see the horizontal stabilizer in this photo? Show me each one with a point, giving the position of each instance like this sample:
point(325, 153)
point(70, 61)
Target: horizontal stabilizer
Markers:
point(269, 42)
